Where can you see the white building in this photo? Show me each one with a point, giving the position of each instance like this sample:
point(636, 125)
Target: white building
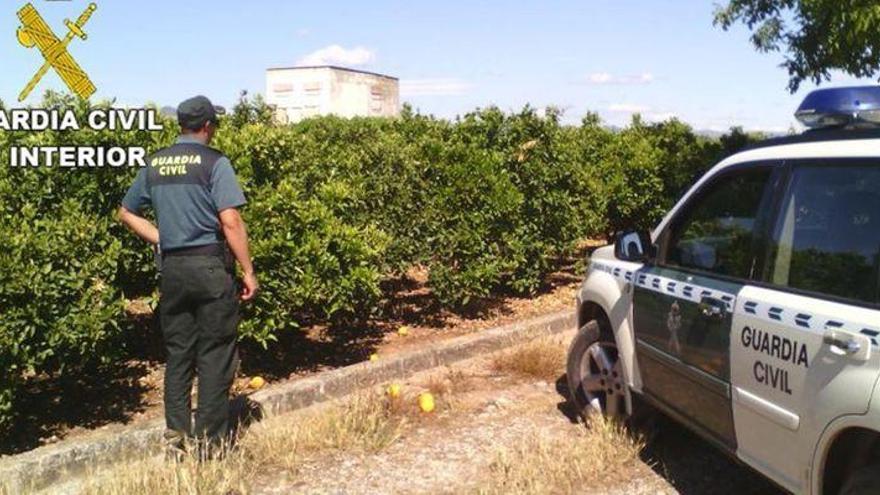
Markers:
point(300, 92)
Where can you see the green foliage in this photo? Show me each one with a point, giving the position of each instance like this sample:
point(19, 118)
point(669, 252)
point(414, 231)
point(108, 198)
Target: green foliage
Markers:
point(817, 36)
point(59, 290)
point(66, 262)
point(336, 206)
point(310, 259)
point(509, 196)
point(251, 111)
point(685, 156)
point(631, 171)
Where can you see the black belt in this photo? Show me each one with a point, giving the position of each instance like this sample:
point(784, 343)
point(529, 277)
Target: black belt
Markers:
point(206, 250)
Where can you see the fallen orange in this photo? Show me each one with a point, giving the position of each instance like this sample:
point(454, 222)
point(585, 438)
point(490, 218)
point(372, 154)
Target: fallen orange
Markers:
point(426, 402)
point(394, 390)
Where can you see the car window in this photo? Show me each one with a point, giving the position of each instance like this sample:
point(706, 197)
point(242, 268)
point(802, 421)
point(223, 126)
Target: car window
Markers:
point(827, 238)
point(716, 233)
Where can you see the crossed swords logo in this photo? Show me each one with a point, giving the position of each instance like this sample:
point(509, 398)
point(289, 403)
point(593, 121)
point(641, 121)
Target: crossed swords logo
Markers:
point(35, 32)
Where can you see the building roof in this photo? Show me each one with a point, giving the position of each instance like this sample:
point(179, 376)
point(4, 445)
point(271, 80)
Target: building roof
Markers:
point(334, 67)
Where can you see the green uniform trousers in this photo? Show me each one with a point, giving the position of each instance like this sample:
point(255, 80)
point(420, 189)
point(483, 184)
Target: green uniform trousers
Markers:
point(198, 310)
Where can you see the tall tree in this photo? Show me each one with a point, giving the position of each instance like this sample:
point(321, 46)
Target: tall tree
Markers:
point(816, 36)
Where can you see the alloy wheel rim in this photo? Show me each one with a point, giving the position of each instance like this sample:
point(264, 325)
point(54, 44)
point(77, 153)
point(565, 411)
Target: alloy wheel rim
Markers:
point(602, 380)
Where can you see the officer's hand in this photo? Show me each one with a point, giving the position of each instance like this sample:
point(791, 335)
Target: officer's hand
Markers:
point(249, 287)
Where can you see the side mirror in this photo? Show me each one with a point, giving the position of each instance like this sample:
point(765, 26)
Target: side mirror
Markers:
point(633, 245)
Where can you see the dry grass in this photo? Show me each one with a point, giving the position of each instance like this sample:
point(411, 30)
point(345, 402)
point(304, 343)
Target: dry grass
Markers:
point(153, 475)
point(30, 488)
point(450, 382)
point(600, 452)
point(366, 422)
point(542, 359)
point(439, 384)
point(406, 406)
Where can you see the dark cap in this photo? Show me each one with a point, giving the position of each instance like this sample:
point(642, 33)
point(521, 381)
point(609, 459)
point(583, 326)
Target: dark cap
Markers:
point(193, 113)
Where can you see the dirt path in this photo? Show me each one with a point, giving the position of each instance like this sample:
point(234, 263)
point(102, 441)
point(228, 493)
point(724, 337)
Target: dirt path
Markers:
point(502, 425)
point(446, 457)
point(487, 415)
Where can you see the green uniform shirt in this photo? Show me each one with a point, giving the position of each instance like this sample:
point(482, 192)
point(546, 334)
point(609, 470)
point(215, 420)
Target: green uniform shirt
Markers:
point(187, 185)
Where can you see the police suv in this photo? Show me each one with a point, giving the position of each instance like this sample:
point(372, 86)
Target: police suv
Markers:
point(751, 314)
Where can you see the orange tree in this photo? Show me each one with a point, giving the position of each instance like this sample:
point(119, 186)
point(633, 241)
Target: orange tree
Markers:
point(486, 202)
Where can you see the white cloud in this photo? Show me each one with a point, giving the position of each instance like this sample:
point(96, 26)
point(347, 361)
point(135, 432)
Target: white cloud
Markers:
point(433, 87)
point(644, 78)
point(628, 108)
point(621, 112)
point(605, 78)
point(648, 113)
point(337, 55)
point(599, 78)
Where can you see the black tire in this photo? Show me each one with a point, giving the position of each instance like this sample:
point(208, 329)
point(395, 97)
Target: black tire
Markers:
point(863, 481)
point(595, 387)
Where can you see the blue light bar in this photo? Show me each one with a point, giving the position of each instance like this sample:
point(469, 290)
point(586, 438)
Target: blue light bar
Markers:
point(836, 107)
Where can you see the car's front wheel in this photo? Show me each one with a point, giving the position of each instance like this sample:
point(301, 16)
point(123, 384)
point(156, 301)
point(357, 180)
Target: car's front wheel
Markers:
point(595, 378)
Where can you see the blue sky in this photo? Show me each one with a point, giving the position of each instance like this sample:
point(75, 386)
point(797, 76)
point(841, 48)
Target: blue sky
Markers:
point(659, 57)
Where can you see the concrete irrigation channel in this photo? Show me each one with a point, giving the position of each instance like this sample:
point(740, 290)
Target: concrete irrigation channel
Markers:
point(56, 464)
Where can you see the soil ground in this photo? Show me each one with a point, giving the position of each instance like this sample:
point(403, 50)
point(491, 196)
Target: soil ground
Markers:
point(486, 413)
point(498, 428)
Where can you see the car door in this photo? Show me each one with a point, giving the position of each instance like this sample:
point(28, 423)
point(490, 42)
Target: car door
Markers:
point(683, 303)
point(804, 350)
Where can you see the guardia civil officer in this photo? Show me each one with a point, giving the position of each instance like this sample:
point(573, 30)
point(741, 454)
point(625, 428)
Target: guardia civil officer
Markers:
point(195, 196)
